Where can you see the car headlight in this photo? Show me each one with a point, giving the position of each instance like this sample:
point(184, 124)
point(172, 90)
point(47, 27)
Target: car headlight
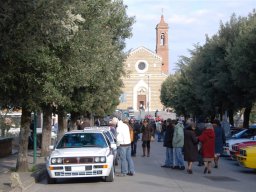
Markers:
point(59, 160)
point(100, 159)
point(97, 159)
point(53, 161)
point(56, 160)
point(243, 152)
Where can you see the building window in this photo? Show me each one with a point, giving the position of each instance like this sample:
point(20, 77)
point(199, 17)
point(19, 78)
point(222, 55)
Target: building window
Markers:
point(141, 66)
point(162, 39)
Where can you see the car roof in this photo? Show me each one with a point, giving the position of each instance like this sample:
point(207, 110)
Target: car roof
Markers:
point(90, 130)
point(253, 126)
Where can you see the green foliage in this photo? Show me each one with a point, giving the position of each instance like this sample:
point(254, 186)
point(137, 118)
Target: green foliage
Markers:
point(219, 76)
point(61, 56)
point(64, 53)
point(242, 59)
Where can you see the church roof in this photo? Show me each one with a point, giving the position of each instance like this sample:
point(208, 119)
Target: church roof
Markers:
point(142, 48)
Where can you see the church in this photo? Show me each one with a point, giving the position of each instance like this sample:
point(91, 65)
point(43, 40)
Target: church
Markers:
point(145, 72)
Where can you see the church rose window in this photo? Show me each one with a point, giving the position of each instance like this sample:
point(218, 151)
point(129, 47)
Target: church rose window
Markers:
point(142, 66)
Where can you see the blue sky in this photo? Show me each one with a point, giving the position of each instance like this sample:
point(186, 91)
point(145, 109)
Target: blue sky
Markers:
point(189, 21)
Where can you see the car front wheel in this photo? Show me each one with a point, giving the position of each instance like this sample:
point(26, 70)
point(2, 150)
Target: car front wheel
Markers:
point(110, 177)
point(50, 180)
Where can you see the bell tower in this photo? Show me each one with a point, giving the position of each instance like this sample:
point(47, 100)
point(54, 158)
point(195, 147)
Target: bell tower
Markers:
point(162, 44)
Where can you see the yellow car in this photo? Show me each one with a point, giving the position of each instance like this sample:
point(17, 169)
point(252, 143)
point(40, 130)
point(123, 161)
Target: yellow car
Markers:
point(247, 157)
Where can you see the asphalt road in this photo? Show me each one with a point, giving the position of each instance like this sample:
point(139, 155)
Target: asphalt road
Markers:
point(150, 177)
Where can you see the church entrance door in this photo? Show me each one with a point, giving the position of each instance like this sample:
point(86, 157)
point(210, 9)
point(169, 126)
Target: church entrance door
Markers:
point(141, 101)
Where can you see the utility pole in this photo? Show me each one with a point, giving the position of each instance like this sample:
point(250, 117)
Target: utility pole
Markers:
point(35, 138)
point(148, 94)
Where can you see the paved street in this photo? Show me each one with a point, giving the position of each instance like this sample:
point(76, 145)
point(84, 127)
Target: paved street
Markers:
point(151, 177)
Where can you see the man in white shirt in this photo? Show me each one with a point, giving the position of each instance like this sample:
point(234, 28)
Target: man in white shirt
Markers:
point(124, 147)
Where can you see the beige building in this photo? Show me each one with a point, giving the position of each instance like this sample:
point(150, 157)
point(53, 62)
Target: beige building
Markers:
point(145, 72)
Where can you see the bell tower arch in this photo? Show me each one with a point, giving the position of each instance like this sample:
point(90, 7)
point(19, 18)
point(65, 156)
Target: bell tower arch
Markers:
point(162, 48)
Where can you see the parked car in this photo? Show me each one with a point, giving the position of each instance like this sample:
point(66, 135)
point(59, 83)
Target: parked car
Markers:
point(241, 136)
point(228, 146)
point(233, 131)
point(245, 133)
point(247, 157)
point(110, 134)
point(81, 153)
point(236, 148)
point(39, 138)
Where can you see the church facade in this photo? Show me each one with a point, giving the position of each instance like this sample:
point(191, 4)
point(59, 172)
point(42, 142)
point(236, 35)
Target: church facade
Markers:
point(145, 71)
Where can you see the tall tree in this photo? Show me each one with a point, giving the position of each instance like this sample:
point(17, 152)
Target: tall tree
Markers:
point(61, 54)
point(242, 59)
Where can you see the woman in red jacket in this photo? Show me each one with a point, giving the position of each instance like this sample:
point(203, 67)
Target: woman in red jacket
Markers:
point(207, 138)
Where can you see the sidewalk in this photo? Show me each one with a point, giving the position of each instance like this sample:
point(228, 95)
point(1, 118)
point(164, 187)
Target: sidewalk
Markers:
point(7, 167)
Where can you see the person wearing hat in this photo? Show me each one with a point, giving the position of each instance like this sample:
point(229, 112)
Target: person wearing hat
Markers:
point(124, 147)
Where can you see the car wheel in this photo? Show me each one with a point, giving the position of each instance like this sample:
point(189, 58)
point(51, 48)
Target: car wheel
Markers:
point(110, 177)
point(50, 180)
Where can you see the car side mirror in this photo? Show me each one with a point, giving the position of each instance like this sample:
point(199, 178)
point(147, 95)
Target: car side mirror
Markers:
point(51, 147)
point(113, 146)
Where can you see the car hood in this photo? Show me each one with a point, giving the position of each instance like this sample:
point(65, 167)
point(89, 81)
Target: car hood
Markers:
point(75, 152)
point(234, 141)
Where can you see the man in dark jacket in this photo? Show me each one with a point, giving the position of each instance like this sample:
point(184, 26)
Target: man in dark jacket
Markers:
point(136, 131)
point(220, 140)
point(168, 144)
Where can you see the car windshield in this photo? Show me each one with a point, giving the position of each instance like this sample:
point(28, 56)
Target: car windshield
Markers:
point(79, 140)
point(247, 133)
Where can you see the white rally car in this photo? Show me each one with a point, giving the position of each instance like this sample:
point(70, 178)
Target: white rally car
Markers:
point(84, 153)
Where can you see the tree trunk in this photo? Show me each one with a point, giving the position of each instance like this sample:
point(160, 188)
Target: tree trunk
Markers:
point(62, 125)
point(73, 121)
point(22, 160)
point(46, 131)
point(247, 112)
point(231, 117)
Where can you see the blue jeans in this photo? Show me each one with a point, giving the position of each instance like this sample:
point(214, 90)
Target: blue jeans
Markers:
point(134, 148)
point(169, 156)
point(126, 159)
point(159, 136)
point(178, 157)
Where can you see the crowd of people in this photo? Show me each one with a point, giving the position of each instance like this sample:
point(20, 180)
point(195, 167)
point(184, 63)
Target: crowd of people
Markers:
point(202, 143)
point(183, 141)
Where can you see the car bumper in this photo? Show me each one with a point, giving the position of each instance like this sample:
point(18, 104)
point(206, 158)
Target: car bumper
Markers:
point(76, 171)
point(244, 162)
point(233, 154)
